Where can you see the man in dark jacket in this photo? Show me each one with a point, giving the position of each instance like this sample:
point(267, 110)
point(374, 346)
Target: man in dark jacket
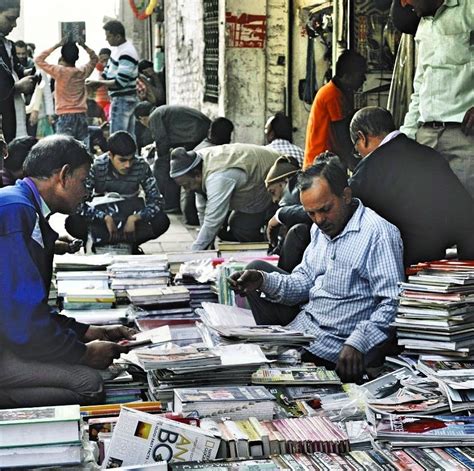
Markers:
point(171, 127)
point(45, 358)
point(12, 79)
point(413, 187)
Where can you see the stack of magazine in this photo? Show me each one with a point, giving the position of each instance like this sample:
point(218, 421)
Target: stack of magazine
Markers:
point(235, 402)
point(136, 273)
point(436, 310)
point(158, 296)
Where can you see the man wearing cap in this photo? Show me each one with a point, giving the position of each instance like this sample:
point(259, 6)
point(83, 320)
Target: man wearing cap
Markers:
point(287, 231)
point(441, 112)
point(279, 135)
point(228, 178)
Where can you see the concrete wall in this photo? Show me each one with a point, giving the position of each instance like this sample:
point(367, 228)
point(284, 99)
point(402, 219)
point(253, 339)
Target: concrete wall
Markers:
point(184, 45)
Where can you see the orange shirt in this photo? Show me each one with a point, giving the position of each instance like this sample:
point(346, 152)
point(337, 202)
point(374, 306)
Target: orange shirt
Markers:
point(329, 105)
point(70, 89)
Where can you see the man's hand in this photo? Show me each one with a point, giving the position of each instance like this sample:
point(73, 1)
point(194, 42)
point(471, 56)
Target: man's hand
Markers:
point(34, 118)
point(467, 126)
point(112, 228)
point(111, 333)
point(66, 244)
point(272, 225)
point(25, 85)
point(100, 355)
point(245, 282)
point(129, 228)
point(350, 365)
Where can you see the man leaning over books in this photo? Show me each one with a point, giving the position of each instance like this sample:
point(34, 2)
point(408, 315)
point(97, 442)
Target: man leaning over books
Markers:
point(45, 358)
point(345, 290)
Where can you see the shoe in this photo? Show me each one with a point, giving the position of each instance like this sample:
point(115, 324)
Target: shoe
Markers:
point(137, 250)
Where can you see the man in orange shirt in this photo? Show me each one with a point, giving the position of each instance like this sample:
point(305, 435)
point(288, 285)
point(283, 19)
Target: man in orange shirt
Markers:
point(333, 102)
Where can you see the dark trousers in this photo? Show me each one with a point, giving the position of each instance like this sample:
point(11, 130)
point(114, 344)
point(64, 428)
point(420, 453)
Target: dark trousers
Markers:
point(78, 227)
point(167, 186)
point(8, 119)
point(243, 227)
point(293, 247)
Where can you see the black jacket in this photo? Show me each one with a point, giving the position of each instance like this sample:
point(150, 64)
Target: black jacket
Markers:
point(414, 188)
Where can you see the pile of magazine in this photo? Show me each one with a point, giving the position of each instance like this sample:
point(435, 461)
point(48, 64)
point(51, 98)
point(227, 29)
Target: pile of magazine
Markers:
point(235, 368)
point(153, 296)
point(436, 310)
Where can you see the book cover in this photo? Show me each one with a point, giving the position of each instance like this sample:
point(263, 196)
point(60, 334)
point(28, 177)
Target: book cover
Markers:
point(74, 31)
point(141, 438)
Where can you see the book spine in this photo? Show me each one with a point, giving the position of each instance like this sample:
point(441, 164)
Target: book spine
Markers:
point(419, 455)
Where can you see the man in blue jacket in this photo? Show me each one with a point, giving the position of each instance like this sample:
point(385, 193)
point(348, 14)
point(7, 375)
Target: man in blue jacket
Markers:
point(45, 358)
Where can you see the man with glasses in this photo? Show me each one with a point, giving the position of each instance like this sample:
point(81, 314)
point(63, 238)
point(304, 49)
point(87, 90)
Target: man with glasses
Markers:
point(413, 187)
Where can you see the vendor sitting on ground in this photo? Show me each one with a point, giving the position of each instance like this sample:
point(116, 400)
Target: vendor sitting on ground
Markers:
point(126, 218)
point(287, 231)
point(226, 178)
point(345, 290)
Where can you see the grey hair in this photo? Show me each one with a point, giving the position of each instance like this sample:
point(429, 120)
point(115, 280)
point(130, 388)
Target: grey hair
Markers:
point(371, 121)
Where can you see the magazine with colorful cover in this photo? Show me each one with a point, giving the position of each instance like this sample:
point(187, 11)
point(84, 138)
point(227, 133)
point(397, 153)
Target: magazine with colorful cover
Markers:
point(141, 438)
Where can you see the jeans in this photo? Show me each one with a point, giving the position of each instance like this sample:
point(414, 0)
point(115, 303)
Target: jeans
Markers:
point(121, 114)
point(30, 383)
point(75, 125)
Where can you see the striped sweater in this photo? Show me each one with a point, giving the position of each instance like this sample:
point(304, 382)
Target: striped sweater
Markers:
point(123, 68)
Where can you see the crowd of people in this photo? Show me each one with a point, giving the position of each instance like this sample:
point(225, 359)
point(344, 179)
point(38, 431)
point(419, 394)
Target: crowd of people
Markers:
point(346, 215)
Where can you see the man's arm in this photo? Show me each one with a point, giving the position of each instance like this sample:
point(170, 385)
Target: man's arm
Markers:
point(293, 214)
point(292, 289)
point(88, 211)
point(159, 132)
point(219, 190)
point(93, 59)
point(26, 324)
point(51, 69)
point(385, 271)
point(153, 196)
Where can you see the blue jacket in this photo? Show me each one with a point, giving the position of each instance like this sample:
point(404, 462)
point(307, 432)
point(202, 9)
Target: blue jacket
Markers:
point(28, 326)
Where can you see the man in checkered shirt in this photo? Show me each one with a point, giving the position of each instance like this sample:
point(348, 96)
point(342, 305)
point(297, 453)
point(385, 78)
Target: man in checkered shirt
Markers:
point(345, 290)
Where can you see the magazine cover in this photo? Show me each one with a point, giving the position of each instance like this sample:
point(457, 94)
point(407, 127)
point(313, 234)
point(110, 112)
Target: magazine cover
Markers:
point(141, 438)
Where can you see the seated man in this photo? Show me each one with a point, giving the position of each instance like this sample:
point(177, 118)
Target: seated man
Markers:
point(130, 219)
point(226, 178)
point(290, 238)
point(279, 135)
point(345, 290)
point(45, 358)
point(413, 187)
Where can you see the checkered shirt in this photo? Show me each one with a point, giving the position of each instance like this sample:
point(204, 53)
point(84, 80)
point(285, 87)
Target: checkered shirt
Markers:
point(347, 285)
point(286, 147)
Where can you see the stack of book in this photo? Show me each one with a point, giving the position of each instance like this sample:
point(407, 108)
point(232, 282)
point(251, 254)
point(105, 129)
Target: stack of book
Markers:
point(175, 295)
point(436, 311)
point(199, 292)
point(234, 402)
point(101, 316)
point(137, 273)
point(69, 281)
point(85, 299)
point(426, 459)
point(242, 250)
point(40, 436)
point(76, 262)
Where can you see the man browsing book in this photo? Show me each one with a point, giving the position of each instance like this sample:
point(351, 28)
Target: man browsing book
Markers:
point(344, 291)
point(46, 358)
